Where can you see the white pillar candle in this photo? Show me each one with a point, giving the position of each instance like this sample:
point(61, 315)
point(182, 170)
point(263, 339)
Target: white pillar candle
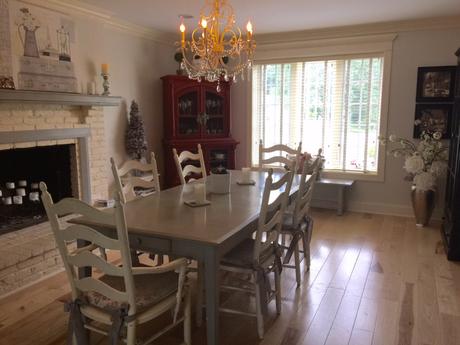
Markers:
point(200, 192)
point(10, 185)
point(91, 88)
point(22, 183)
point(7, 200)
point(34, 185)
point(245, 174)
point(21, 191)
point(17, 200)
point(34, 196)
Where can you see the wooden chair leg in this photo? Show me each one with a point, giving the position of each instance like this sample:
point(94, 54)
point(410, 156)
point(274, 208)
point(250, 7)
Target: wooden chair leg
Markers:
point(259, 314)
point(188, 318)
point(199, 297)
point(297, 263)
point(131, 333)
point(278, 290)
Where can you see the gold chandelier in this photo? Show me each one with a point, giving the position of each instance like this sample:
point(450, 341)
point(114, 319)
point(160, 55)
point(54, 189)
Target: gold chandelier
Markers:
point(217, 48)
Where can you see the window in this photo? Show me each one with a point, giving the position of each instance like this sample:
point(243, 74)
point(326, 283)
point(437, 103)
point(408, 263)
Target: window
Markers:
point(332, 104)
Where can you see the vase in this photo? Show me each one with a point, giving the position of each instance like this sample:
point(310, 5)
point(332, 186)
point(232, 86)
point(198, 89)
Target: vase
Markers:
point(423, 205)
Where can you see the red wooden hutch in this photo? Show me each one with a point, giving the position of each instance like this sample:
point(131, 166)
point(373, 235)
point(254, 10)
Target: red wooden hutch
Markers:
point(195, 113)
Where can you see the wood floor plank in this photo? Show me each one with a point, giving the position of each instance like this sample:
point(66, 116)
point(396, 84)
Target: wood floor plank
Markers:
point(342, 326)
point(324, 318)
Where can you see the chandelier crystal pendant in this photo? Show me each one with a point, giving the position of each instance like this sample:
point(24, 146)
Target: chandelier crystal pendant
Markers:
point(217, 49)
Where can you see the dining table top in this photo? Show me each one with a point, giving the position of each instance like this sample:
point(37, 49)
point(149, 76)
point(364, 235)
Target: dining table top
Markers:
point(165, 214)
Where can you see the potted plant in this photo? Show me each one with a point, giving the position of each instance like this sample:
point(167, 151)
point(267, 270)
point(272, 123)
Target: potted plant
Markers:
point(425, 161)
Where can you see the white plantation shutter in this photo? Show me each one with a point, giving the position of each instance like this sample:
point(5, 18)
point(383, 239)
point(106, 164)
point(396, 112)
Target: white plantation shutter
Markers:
point(332, 104)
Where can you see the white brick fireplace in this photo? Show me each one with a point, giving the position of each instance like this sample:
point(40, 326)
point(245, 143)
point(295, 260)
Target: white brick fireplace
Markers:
point(29, 254)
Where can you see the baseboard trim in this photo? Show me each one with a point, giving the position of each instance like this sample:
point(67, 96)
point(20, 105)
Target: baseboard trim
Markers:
point(375, 208)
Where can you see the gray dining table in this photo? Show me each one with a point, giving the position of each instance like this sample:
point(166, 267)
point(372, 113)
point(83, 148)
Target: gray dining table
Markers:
point(162, 223)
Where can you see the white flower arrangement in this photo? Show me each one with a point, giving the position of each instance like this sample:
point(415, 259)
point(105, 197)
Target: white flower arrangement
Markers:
point(425, 161)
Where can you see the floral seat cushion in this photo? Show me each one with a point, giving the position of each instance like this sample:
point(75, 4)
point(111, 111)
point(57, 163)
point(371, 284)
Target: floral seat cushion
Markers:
point(150, 290)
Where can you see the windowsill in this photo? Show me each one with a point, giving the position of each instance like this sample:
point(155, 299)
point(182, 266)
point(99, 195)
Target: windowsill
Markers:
point(349, 175)
point(357, 176)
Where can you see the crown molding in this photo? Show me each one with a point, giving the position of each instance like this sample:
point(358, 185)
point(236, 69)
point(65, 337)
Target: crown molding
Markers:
point(73, 7)
point(438, 23)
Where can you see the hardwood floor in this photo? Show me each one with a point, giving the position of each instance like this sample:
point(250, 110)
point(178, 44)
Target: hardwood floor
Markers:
point(374, 280)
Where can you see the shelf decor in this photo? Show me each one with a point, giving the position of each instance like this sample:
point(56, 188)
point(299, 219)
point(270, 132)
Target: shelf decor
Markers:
point(6, 65)
point(217, 48)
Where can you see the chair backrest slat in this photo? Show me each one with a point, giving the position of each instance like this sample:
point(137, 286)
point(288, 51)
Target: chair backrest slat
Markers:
point(89, 284)
point(125, 182)
point(283, 157)
point(86, 258)
point(65, 235)
point(82, 232)
point(271, 213)
point(184, 172)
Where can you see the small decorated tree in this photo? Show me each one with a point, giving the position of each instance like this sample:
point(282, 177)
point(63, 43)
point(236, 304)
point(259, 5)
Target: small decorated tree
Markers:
point(136, 143)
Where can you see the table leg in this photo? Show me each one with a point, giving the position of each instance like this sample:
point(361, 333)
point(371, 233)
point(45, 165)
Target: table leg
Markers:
point(211, 276)
point(340, 200)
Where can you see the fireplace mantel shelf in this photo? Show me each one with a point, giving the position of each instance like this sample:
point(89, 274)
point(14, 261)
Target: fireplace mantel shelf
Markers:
point(61, 98)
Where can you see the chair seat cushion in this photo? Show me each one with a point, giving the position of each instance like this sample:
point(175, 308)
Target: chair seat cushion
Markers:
point(242, 254)
point(150, 290)
point(288, 224)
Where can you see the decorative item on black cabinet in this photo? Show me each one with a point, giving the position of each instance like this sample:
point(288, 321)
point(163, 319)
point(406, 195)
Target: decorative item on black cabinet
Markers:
point(196, 113)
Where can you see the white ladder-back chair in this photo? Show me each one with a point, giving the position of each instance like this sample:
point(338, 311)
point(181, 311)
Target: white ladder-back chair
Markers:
point(260, 256)
point(297, 223)
point(283, 158)
point(126, 182)
point(188, 169)
point(124, 296)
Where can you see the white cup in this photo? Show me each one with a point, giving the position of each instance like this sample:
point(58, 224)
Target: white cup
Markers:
point(17, 200)
point(10, 185)
point(22, 183)
point(245, 177)
point(199, 190)
point(7, 200)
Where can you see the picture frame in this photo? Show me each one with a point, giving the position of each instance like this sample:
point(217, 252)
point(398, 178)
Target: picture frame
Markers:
point(436, 84)
point(433, 117)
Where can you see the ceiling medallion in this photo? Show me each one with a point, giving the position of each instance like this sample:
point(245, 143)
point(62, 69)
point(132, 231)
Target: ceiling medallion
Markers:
point(217, 49)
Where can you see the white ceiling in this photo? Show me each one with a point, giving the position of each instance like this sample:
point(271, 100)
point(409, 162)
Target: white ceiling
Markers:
point(280, 15)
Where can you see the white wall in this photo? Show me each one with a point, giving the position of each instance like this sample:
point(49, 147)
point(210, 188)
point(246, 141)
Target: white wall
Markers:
point(410, 50)
point(136, 65)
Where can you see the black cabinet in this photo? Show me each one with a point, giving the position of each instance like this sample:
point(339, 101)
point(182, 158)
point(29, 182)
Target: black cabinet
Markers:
point(451, 222)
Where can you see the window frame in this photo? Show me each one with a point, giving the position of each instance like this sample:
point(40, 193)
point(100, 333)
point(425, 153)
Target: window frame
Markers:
point(329, 49)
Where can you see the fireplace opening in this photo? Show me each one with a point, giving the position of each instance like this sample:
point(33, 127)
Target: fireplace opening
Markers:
point(20, 172)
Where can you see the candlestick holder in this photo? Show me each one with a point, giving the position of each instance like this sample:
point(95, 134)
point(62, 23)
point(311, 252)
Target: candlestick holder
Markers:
point(105, 84)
